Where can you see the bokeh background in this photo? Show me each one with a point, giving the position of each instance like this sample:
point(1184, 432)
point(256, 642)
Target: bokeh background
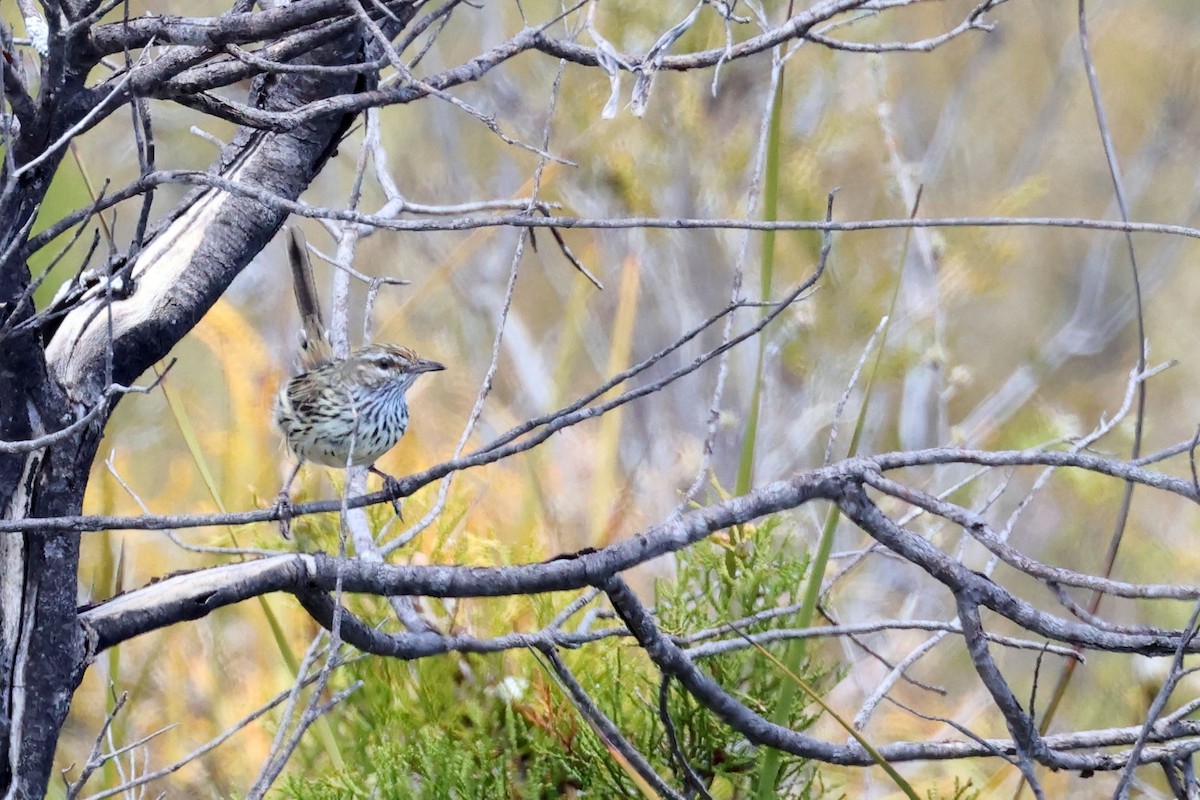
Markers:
point(1003, 337)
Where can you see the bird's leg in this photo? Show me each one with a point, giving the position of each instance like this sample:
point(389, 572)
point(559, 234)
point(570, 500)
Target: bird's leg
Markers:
point(283, 503)
point(392, 487)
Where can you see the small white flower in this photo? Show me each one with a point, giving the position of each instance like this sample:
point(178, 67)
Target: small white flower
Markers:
point(512, 689)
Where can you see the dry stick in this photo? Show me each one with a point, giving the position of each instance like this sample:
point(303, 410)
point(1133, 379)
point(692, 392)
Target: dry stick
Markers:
point(1156, 707)
point(1192, 460)
point(850, 384)
point(144, 137)
point(605, 727)
point(485, 386)
point(73, 292)
point(573, 608)
point(1180, 788)
point(970, 590)
point(336, 261)
point(197, 178)
point(875, 549)
point(292, 695)
point(273, 66)
point(790, 634)
point(101, 406)
point(411, 80)
point(973, 22)
point(1003, 537)
point(851, 467)
point(580, 405)
point(94, 760)
point(198, 752)
point(735, 293)
point(100, 109)
point(115, 754)
point(738, 625)
point(885, 685)
point(1025, 734)
point(1078, 446)
point(441, 16)
point(664, 713)
point(282, 749)
point(497, 450)
point(411, 646)
point(569, 254)
point(992, 499)
point(55, 309)
point(311, 715)
point(963, 729)
point(172, 535)
point(983, 533)
point(1097, 622)
point(1110, 558)
point(874, 653)
point(873, 701)
point(674, 663)
point(398, 204)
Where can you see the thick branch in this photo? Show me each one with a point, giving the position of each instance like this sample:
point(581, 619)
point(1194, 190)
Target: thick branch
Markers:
point(194, 595)
point(795, 28)
point(209, 32)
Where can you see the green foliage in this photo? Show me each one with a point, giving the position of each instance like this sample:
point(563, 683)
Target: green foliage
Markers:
point(721, 580)
point(500, 726)
point(489, 751)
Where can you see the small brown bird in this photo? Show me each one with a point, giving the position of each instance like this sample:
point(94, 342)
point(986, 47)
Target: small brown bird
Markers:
point(342, 411)
point(350, 411)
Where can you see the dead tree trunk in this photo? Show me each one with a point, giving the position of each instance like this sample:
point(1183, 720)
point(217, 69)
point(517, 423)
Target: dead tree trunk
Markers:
point(58, 368)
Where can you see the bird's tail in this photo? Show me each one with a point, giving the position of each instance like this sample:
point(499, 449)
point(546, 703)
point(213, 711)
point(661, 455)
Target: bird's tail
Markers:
point(315, 348)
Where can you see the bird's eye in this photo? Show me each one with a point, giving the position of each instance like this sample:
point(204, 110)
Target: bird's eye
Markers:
point(386, 362)
point(382, 361)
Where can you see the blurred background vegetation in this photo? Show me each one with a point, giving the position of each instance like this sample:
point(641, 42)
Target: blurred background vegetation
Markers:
point(989, 124)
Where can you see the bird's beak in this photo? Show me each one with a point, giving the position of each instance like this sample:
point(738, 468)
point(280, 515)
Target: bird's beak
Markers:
point(424, 365)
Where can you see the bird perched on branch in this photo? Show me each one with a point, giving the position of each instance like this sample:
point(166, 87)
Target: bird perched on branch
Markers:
point(342, 412)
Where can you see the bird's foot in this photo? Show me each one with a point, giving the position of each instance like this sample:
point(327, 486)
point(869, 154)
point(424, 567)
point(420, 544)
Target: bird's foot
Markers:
point(393, 487)
point(285, 510)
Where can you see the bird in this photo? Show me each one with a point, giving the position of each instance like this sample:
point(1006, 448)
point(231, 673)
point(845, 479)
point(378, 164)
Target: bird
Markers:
point(349, 412)
point(341, 412)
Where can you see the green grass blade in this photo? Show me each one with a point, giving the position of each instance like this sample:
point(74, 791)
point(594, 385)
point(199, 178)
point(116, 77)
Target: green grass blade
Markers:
point(803, 686)
point(795, 653)
point(745, 473)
